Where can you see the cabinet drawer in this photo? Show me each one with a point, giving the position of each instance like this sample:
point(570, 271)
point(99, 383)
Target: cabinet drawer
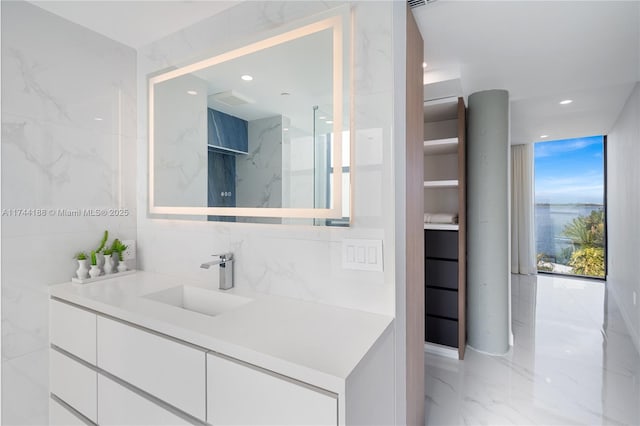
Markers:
point(441, 244)
point(74, 383)
point(73, 329)
point(60, 415)
point(441, 273)
point(443, 303)
point(118, 405)
point(168, 370)
point(442, 331)
point(240, 394)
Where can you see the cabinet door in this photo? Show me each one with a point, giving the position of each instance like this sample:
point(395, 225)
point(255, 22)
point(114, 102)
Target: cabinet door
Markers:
point(73, 329)
point(118, 405)
point(442, 303)
point(442, 331)
point(239, 394)
point(441, 244)
point(166, 369)
point(73, 383)
point(62, 416)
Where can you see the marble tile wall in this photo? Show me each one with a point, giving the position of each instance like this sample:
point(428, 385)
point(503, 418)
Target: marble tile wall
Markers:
point(227, 131)
point(68, 143)
point(180, 154)
point(221, 190)
point(259, 173)
point(292, 260)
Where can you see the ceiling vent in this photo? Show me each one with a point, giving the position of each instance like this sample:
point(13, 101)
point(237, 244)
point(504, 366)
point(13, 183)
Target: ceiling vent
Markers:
point(232, 98)
point(417, 3)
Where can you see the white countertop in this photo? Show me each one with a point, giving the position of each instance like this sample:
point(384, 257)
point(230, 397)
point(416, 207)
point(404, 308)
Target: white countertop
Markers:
point(312, 342)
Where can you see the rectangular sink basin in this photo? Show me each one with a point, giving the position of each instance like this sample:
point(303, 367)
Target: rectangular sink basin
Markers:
point(197, 299)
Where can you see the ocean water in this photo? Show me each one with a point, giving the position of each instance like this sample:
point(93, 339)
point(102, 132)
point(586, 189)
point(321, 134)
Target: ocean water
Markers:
point(550, 222)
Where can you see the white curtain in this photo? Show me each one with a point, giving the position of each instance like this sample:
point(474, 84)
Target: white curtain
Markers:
point(523, 248)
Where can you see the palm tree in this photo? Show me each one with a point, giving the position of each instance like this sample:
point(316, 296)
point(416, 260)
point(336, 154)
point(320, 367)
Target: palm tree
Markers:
point(586, 231)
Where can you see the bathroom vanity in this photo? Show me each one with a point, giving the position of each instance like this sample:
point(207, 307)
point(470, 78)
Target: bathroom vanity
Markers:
point(147, 349)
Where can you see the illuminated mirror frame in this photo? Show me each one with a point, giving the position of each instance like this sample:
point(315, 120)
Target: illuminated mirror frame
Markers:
point(336, 24)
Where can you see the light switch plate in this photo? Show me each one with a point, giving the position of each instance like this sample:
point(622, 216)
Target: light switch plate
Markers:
point(364, 255)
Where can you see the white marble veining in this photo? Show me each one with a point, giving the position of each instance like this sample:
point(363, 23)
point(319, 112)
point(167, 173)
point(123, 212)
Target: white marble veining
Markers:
point(25, 397)
point(68, 142)
point(259, 173)
point(297, 261)
point(180, 145)
point(573, 362)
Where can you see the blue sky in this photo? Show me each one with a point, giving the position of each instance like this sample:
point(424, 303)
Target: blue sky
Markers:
point(570, 171)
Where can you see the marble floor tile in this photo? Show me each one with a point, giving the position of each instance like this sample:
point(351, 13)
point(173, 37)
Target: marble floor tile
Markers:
point(573, 362)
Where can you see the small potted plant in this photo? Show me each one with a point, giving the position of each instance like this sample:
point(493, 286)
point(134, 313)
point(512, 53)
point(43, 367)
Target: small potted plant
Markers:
point(83, 271)
point(119, 248)
point(95, 270)
point(108, 262)
point(99, 255)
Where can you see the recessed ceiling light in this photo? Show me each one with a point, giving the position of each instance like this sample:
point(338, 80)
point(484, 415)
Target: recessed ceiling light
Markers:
point(544, 136)
point(566, 102)
point(98, 118)
point(322, 117)
point(424, 65)
point(246, 77)
point(329, 122)
point(192, 92)
point(286, 129)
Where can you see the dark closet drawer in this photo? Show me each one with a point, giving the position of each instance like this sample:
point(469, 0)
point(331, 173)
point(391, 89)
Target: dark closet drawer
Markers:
point(441, 244)
point(443, 303)
point(441, 273)
point(442, 331)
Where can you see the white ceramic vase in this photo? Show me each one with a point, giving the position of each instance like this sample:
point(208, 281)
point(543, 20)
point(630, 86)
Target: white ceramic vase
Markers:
point(108, 264)
point(83, 271)
point(122, 266)
point(94, 271)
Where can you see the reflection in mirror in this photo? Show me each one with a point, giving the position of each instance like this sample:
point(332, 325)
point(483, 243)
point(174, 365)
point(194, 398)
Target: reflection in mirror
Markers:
point(255, 137)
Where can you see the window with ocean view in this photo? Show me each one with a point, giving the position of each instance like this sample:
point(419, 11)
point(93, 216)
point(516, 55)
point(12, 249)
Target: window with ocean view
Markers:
point(570, 206)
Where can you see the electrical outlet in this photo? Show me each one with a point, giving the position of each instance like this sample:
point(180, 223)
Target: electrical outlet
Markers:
point(635, 298)
point(130, 252)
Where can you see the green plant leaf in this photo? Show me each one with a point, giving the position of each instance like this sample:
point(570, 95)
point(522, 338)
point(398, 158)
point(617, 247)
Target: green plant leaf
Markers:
point(103, 241)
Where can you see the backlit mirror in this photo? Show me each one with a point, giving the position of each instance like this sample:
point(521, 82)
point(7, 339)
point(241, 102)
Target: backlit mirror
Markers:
point(259, 134)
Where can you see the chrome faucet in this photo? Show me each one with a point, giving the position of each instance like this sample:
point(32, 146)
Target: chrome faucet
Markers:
point(225, 261)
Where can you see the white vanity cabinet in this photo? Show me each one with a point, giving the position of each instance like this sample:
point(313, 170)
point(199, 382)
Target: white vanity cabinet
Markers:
point(72, 375)
point(121, 358)
point(241, 394)
point(73, 330)
point(119, 405)
point(74, 383)
point(172, 371)
point(60, 415)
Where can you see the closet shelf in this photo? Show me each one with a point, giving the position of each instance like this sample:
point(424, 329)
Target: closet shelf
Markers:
point(441, 183)
point(441, 146)
point(441, 226)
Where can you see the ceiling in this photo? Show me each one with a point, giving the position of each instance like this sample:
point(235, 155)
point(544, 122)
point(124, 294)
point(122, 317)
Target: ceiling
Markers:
point(542, 52)
point(135, 23)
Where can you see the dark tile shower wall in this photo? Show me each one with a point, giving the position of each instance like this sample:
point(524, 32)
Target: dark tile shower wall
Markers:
point(222, 182)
